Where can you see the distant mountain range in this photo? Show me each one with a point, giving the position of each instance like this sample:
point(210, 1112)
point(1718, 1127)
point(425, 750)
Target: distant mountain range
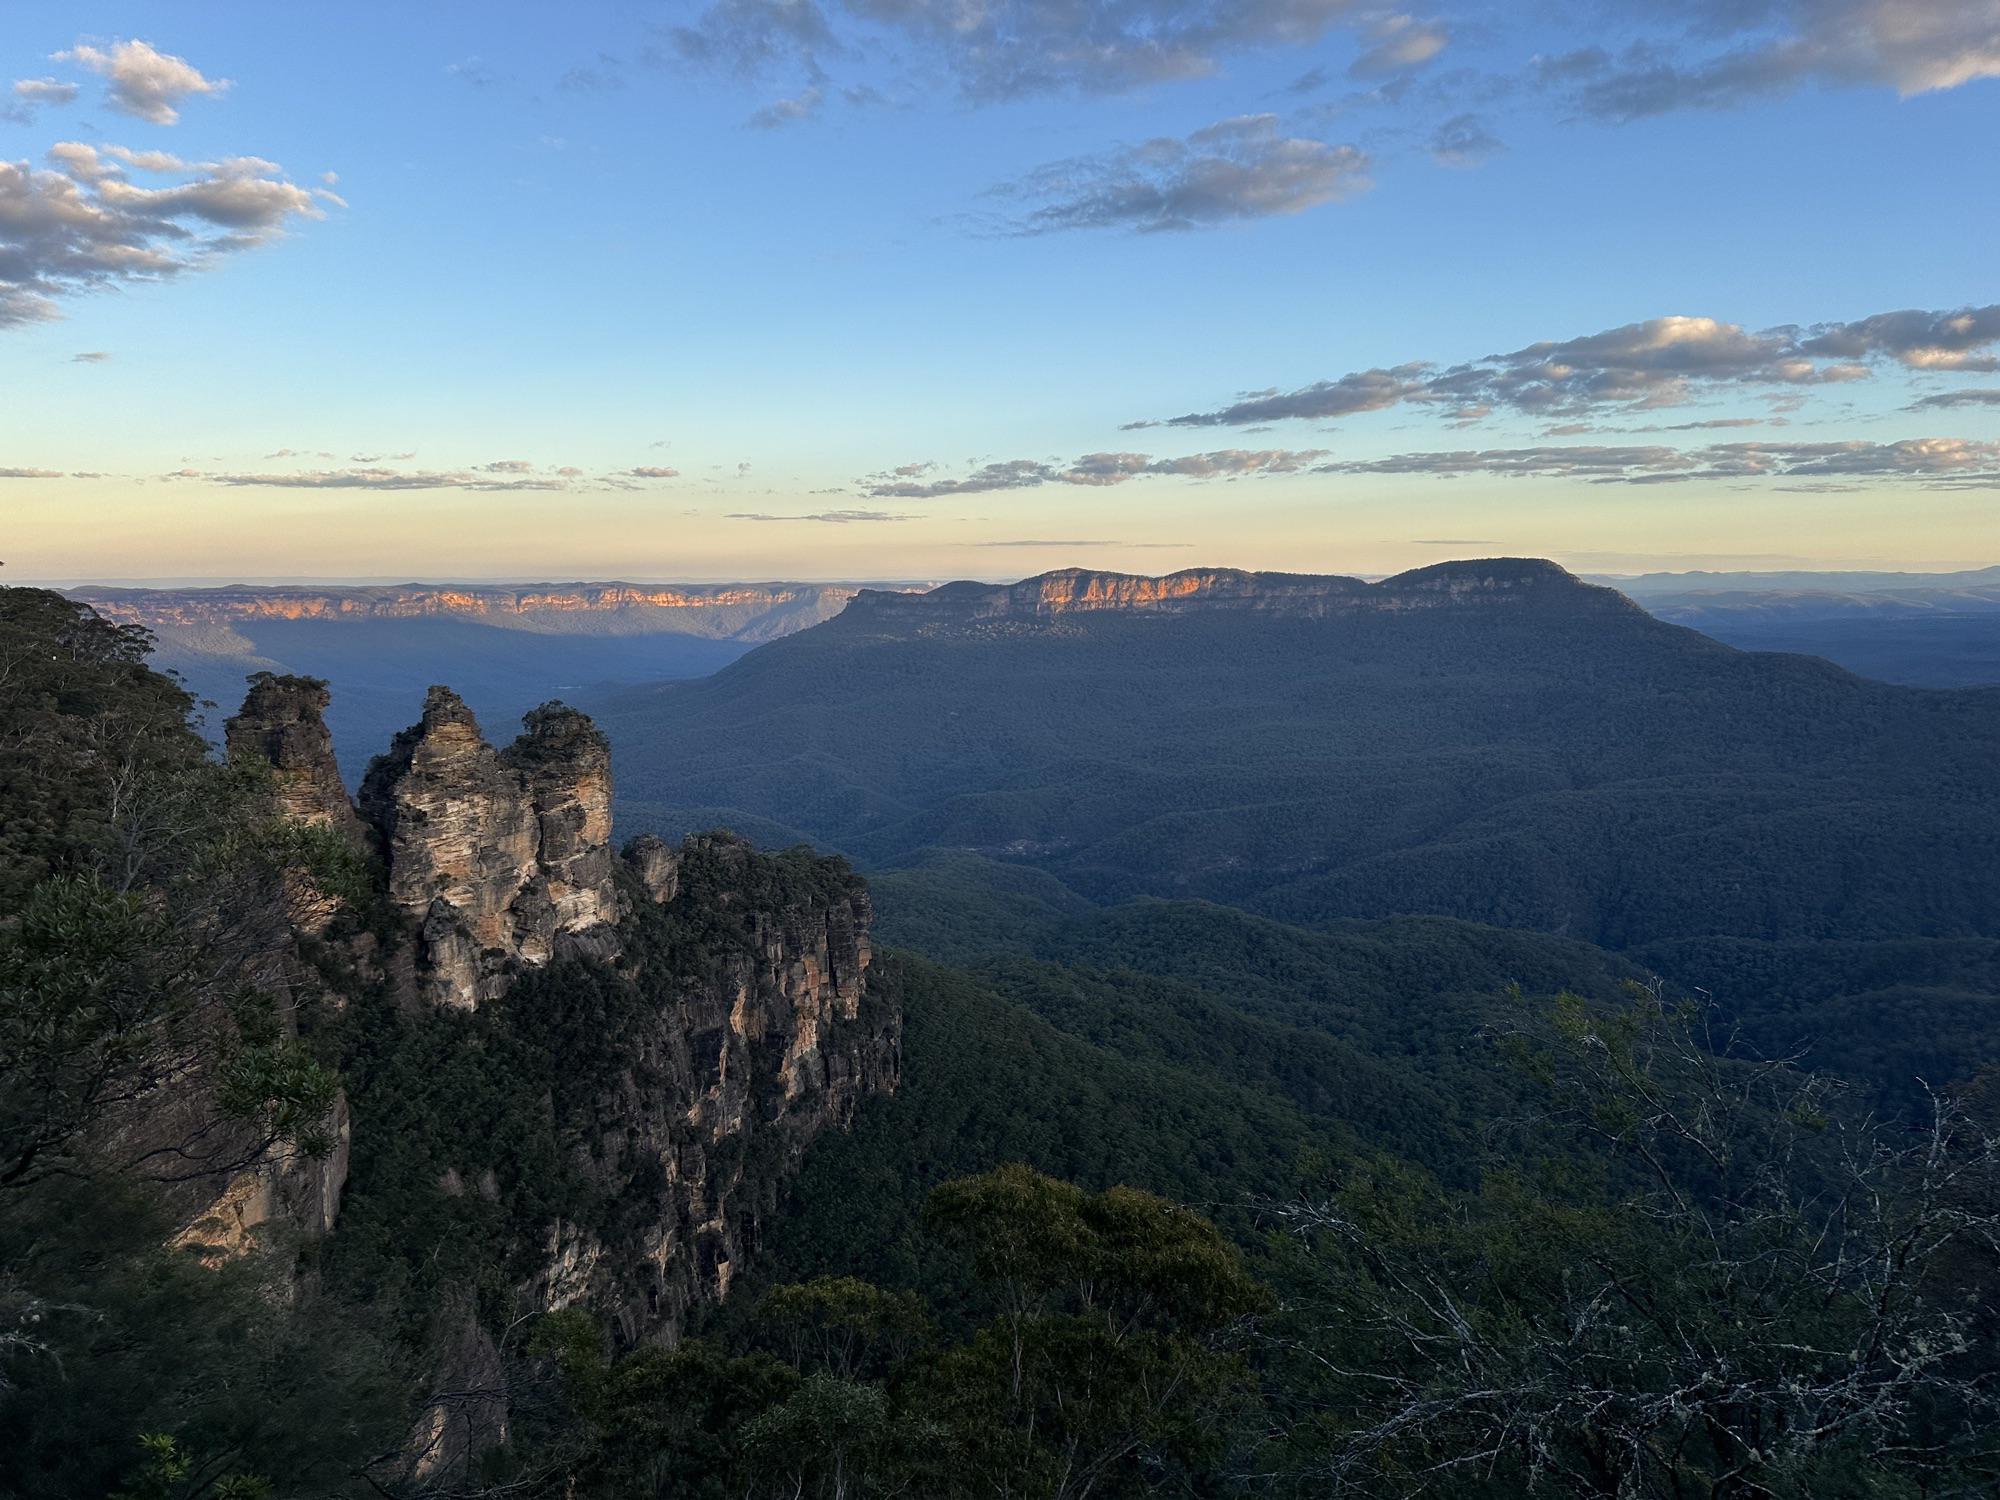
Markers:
point(1496, 741)
point(508, 647)
point(504, 647)
point(1921, 629)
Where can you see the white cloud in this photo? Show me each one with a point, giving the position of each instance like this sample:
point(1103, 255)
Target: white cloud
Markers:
point(1242, 168)
point(85, 225)
point(144, 82)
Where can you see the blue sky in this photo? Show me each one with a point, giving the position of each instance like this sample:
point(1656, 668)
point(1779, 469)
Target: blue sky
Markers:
point(902, 288)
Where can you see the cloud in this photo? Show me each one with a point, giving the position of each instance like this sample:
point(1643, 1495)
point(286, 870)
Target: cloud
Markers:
point(1661, 362)
point(1365, 390)
point(486, 477)
point(802, 106)
point(1970, 396)
point(651, 471)
point(1731, 53)
point(1925, 459)
point(1243, 168)
point(1463, 141)
point(143, 82)
point(995, 50)
point(84, 225)
point(90, 357)
point(1921, 340)
point(750, 37)
point(30, 473)
point(30, 94)
point(832, 517)
point(1093, 469)
point(1396, 44)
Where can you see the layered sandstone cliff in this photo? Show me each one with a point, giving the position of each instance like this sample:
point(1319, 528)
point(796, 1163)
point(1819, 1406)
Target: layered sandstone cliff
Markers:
point(282, 723)
point(502, 858)
point(769, 1037)
point(1504, 582)
point(741, 1025)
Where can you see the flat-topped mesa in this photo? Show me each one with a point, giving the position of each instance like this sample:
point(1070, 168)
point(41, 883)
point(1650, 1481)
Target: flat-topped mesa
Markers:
point(1504, 581)
point(282, 723)
point(503, 858)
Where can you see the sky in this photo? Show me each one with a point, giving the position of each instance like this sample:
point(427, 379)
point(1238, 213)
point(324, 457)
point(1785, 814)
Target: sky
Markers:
point(852, 289)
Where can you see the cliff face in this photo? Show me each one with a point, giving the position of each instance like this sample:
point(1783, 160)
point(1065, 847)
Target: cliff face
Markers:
point(732, 1026)
point(502, 858)
point(769, 1041)
point(281, 722)
point(743, 611)
point(1505, 582)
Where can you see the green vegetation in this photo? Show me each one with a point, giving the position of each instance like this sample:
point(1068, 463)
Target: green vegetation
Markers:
point(1173, 1197)
point(142, 1055)
point(1564, 764)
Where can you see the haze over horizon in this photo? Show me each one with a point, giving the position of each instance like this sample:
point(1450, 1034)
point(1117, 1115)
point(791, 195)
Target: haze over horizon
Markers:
point(746, 290)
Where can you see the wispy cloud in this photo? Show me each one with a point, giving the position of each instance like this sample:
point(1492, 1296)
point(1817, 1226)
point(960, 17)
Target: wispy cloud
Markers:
point(27, 95)
point(30, 474)
point(498, 476)
point(84, 225)
point(1010, 49)
point(1969, 396)
point(801, 106)
point(1740, 50)
point(1096, 469)
point(143, 82)
point(1955, 460)
point(1661, 362)
point(831, 517)
point(1242, 168)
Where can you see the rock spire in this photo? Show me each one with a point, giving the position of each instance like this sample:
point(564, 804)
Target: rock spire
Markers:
point(501, 857)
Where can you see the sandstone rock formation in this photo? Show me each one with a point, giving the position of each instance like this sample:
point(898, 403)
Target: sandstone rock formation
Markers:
point(281, 722)
point(738, 1027)
point(771, 1038)
point(501, 858)
point(1501, 581)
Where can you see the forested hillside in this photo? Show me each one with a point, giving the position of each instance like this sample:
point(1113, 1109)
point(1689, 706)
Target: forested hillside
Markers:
point(1496, 742)
point(680, 1186)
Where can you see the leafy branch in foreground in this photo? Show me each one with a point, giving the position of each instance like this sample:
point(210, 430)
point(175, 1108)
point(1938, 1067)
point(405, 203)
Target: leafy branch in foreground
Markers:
point(1768, 1301)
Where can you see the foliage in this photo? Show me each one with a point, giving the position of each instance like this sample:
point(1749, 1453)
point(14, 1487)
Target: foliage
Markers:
point(1104, 1371)
point(1570, 764)
point(1771, 1302)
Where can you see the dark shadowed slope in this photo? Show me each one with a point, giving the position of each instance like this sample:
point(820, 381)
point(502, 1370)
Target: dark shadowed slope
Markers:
point(1495, 741)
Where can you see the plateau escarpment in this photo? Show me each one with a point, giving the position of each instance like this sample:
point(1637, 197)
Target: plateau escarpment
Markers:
point(1493, 740)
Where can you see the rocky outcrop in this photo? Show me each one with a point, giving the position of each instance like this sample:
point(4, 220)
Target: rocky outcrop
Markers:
point(282, 723)
point(500, 858)
point(768, 1038)
point(206, 618)
point(1504, 581)
point(657, 864)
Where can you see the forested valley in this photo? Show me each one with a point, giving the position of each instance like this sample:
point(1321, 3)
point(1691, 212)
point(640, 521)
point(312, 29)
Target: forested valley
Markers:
point(1575, 1075)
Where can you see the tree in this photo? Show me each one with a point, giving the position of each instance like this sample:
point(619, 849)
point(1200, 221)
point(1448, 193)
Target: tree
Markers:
point(1107, 1371)
point(1712, 1286)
